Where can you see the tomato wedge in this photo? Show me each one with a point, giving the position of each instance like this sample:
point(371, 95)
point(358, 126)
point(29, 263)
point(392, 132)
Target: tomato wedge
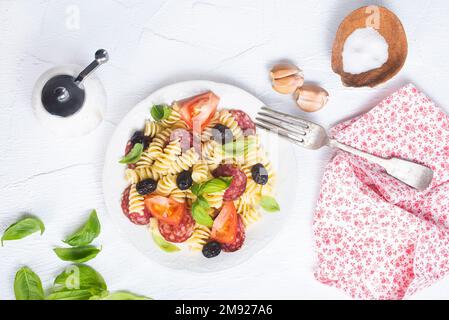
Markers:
point(224, 229)
point(199, 110)
point(165, 209)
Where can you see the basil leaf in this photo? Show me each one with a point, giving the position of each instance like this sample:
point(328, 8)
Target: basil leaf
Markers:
point(79, 277)
point(164, 245)
point(77, 254)
point(120, 295)
point(200, 215)
point(87, 233)
point(216, 185)
point(269, 204)
point(203, 202)
point(23, 228)
point(70, 295)
point(196, 189)
point(134, 155)
point(160, 112)
point(28, 285)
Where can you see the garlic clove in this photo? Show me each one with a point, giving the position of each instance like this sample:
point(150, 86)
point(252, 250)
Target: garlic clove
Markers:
point(284, 70)
point(288, 84)
point(311, 98)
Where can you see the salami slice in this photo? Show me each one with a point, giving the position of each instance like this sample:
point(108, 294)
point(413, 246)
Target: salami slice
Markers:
point(238, 184)
point(239, 239)
point(134, 217)
point(180, 232)
point(244, 121)
point(185, 138)
point(125, 201)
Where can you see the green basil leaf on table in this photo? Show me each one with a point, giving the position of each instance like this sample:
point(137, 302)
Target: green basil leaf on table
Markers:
point(77, 254)
point(79, 277)
point(23, 228)
point(164, 245)
point(160, 112)
point(120, 295)
point(28, 285)
point(216, 185)
point(200, 215)
point(87, 233)
point(134, 155)
point(269, 204)
point(80, 294)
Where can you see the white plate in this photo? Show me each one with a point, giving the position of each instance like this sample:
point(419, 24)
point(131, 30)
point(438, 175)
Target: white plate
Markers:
point(280, 152)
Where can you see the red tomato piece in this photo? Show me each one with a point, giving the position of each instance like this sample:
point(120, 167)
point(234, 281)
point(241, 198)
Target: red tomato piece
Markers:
point(165, 209)
point(199, 110)
point(224, 229)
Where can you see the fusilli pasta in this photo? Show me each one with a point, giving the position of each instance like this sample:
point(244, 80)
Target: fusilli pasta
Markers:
point(136, 201)
point(199, 238)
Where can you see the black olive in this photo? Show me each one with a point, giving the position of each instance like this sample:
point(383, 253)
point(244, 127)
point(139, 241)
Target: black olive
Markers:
point(259, 174)
point(146, 186)
point(211, 249)
point(139, 137)
point(222, 134)
point(184, 180)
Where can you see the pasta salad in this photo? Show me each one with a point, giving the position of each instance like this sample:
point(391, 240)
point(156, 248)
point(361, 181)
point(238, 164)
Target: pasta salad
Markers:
point(197, 176)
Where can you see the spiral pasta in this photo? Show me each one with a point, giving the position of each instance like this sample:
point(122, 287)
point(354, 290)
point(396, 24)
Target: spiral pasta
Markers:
point(152, 128)
point(146, 160)
point(250, 215)
point(136, 201)
point(156, 146)
point(199, 238)
point(227, 119)
point(178, 195)
point(173, 118)
point(215, 199)
point(139, 174)
point(166, 185)
point(184, 162)
point(168, 157)
point(200, 172)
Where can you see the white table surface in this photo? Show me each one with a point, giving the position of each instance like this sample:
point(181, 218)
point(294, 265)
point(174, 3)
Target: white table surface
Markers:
point(154, 43)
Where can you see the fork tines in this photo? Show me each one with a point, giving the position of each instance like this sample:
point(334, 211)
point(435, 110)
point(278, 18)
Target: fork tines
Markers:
point(287, 126)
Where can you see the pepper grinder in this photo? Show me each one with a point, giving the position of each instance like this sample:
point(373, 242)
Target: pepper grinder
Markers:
point(69, 100)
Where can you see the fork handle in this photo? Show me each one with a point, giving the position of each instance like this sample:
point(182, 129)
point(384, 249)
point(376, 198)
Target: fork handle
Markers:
point(412, 174)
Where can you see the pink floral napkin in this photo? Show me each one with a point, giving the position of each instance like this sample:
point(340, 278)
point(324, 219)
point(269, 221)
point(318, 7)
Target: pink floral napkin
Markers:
point(377, 238)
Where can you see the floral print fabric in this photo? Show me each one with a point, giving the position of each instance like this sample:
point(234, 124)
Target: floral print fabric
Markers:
point(375, 237)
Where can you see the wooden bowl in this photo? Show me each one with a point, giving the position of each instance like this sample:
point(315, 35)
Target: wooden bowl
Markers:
point(390, 27)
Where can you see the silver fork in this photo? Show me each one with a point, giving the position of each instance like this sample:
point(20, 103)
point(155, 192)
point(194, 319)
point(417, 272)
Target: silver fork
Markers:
point(312, 136)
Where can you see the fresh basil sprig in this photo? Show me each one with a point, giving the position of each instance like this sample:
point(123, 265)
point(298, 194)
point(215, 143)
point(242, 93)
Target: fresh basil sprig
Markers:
point(28, 285)
point(77, 254)
point(23, 228)
point(87, 233)
point(212, 186)
point(80, 277)
point(199, 212)
point(134, 155)
point(160, 112)
point(269, 204)
point(200, 206)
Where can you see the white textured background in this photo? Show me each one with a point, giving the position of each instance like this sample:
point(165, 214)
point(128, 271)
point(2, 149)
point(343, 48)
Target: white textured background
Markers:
point(154, 43)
